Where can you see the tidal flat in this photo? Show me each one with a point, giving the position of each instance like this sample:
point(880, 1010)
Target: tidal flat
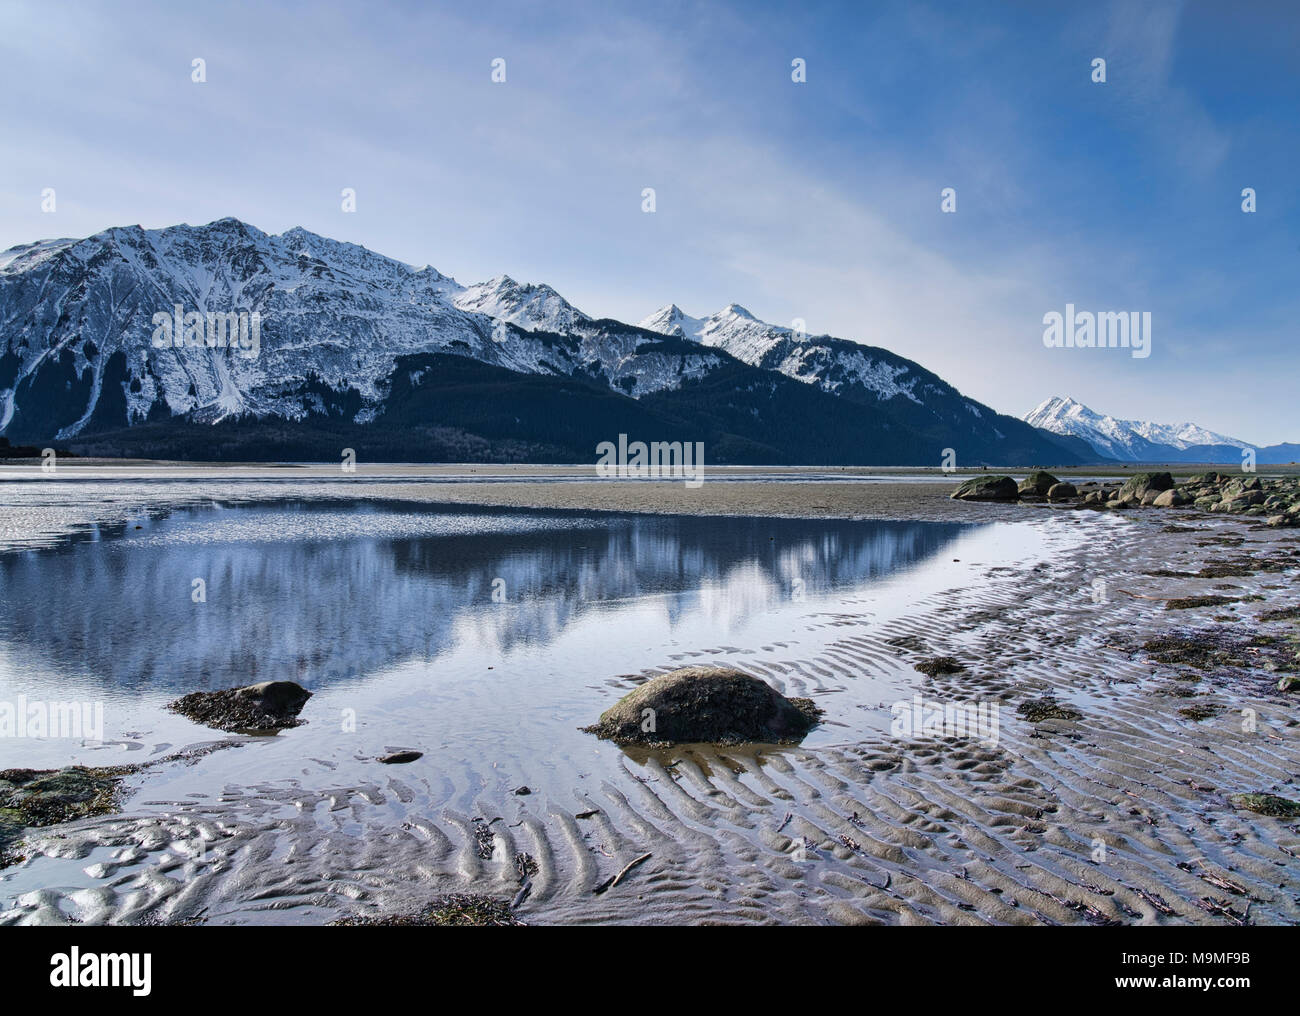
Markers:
point(480, 616)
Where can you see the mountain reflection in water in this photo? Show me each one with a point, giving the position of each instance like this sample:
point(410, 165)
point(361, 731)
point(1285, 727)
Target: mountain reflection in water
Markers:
point(320, 593)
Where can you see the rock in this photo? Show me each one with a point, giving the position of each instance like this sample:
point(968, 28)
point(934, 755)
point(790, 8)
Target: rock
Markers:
point(1037, 483)
point(1279, 520)
point(398, 757)
point(44, 797)
point(1120, 503)
point(1240, 486)
point(1210, 477)
point(1170, 498)
point(268, 706)
point(1266, 804)
point(1142, 482)
point(457, 910)
point(1062, 492)
point(987, 488)
point(1289, 683)
point(937, 665)
point(713, 704)
point(1046, 708)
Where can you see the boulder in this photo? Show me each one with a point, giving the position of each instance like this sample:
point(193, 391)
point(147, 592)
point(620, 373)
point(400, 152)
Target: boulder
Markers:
point(1143, 482)
point(987, 488)
point(1172, 498)
point(1037, 483)
point(1240, 486)
point(1062, 492)
point(268, 706)
point(709, 704)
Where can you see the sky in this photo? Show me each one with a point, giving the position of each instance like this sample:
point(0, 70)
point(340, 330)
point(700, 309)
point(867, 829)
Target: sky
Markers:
point(817, 199)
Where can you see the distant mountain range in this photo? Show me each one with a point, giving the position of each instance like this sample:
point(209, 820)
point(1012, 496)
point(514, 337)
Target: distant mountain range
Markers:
point(353, 349)
point(1138, 441)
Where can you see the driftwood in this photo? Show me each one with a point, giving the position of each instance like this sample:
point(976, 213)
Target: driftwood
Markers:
point(609, 883)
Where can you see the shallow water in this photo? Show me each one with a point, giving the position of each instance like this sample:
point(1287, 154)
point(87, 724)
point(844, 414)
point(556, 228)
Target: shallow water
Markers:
point(483, 638)
point(466, 624)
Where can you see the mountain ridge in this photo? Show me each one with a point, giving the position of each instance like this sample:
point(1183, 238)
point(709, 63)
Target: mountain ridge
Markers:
point(337, 321)
point(1144, 441)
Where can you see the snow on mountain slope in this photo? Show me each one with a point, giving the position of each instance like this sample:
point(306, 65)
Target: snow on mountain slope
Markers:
point(822, 360)
point(1129, 440)
point(531, 307)
point(76, 318)
point(671, 320)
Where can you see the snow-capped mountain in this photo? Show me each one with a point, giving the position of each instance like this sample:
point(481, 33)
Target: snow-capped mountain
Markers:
point(114, 335)
point(531, 307)
point(78, 315)
point(1128, 440)
point(832, 364)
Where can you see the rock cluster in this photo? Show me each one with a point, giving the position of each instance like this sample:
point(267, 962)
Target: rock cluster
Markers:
point(1276, 499)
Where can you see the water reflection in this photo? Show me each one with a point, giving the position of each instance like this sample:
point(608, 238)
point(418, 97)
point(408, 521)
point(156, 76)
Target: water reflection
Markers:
point(320, 593)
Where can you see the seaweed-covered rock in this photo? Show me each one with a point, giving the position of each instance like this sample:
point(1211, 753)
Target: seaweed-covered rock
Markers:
point(987, 488)
point(1062, 491)
point(1046, 708)
point(43, 797)
point(1241, 485)
point(714, 704)
point(457, 910)
point(268, 706)
point(1037, 483)
point(937, 665)
point(1266, 804)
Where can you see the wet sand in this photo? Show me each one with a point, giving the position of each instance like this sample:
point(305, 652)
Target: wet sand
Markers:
point(1119, 816)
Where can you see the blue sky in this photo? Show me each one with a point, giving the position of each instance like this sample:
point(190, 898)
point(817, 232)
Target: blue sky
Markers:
point(818, 200)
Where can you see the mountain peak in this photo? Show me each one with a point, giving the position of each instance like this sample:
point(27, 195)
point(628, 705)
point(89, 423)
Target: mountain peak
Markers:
point(736, 310)
point(672, 320)
point(531, 305)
